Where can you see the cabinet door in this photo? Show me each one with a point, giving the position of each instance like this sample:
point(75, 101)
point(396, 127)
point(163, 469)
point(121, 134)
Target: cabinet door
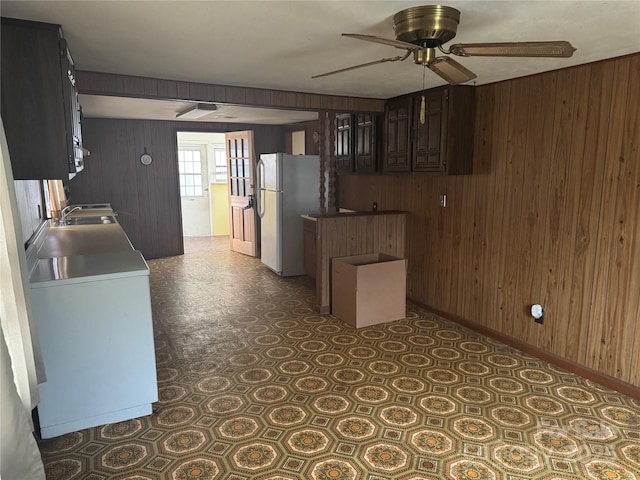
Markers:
point(366, 145)
point(32, 103)
point(398, 131)
point(344, 143)
point(72, 111)
point(461, 111)
point(310, 251)
point(429, 146)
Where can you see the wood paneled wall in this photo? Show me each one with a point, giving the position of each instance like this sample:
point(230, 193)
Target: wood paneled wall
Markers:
point(341, 235)
point(551, 215)
point(147, 199)
point(97, 83)
point(311, 147)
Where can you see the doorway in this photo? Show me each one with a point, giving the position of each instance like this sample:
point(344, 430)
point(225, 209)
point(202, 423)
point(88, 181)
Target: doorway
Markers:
point(202, 168)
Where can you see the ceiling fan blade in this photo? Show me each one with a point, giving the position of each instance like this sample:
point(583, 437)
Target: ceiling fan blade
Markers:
point(384, 41)
point(375, 62)
point(513, 49)
point(452, 71)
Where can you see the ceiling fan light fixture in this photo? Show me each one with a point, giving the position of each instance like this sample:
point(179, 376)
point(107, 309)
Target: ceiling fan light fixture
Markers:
point(424, 56)
point(197, 110)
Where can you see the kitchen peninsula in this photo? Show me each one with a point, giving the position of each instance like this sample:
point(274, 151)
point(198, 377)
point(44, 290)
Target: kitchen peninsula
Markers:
point(327, 236)
point(92, 310)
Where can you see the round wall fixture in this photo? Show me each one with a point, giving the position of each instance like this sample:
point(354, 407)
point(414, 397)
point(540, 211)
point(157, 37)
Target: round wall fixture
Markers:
point(537, 311)
point(145, 158)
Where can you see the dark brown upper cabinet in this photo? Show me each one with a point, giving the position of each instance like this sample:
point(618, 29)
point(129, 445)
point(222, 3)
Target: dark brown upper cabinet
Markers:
point(344, 143)
point(441, 141)
point(40, 109)
point(444, 142)
point(398, 121)
point(356, 143)
point(73, 112)
point(366, 144)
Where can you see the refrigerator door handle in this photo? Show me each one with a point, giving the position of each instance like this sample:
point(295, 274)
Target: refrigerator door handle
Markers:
point(260, 189)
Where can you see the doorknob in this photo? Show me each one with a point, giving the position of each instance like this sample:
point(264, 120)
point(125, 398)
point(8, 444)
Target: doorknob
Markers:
point(250, 204)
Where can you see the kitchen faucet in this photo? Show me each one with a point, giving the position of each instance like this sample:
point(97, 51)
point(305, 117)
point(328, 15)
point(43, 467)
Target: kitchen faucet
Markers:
point(65, 213)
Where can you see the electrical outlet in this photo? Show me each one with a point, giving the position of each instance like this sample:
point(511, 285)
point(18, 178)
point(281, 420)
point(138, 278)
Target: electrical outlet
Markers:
point(443, 200)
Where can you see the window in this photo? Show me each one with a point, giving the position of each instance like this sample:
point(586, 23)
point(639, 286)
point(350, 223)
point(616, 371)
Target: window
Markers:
point(220, 168)
point(190, 171)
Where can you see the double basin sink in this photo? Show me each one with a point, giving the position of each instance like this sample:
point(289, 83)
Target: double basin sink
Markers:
point(89, 243)
point(83, 235)
point(101, 220)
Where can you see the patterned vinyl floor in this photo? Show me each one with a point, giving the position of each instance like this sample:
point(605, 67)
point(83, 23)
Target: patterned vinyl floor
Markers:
point(254, 384)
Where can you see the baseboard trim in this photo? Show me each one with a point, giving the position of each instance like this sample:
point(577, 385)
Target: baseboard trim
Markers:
point(569, 365)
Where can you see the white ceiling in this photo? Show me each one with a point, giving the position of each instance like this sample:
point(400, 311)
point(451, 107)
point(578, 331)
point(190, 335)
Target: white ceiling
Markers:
point(98, 106)
point(281, 44)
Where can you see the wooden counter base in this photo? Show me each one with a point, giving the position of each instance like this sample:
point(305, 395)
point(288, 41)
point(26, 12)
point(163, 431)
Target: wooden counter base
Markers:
point(344, 234)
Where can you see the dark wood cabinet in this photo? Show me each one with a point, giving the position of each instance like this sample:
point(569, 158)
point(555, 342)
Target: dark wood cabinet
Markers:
point(356, 143)
point(72, 110)
point(366, 144)
point(441, 141)
point(444, 141)
point(431, 131)
point(397, 156)
point(344, 143)
point(40, 109)
point(309, 247)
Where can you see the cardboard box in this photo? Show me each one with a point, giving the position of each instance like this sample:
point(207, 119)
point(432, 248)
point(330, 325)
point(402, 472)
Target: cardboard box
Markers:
point(368, 289)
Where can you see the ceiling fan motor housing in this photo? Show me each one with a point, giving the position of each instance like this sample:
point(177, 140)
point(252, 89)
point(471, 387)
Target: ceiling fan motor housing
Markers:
point(428, 26)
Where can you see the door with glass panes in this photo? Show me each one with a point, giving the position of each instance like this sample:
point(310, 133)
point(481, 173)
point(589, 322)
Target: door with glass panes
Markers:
point(242, 211)
point(194, 194)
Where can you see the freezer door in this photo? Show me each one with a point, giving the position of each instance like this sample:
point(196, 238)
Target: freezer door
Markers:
point(300, 179)
point(270, 228)
point(271, 171)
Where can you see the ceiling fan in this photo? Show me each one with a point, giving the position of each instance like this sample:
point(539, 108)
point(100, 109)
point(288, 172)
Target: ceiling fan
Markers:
point(423, 29)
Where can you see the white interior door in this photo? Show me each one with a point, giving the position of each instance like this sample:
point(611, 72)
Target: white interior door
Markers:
point(194, 191)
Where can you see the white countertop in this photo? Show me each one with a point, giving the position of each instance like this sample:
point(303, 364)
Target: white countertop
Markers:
point(72, 240)
point(88, 268)
point(69, 254)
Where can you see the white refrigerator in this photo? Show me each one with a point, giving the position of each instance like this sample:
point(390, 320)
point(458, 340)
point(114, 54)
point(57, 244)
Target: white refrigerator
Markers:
point(288, 186)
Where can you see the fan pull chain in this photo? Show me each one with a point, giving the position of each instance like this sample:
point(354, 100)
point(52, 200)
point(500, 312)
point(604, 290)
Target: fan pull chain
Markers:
point(422, 102)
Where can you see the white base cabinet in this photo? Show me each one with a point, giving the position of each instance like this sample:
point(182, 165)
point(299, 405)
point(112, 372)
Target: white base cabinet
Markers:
point(97, 345)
